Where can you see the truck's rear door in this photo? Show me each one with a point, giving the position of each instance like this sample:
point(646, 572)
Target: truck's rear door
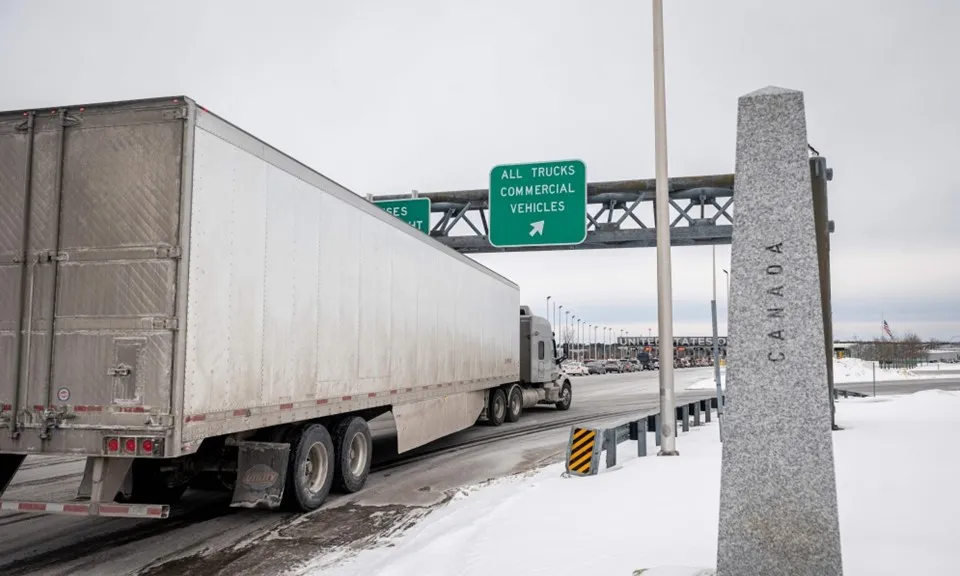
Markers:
point(89, 226)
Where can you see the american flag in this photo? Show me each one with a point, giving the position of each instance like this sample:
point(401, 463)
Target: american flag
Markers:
point(886, 328)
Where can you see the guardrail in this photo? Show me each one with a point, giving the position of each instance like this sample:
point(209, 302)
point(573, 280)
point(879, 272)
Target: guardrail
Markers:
point(587, 444)
point(838, 393)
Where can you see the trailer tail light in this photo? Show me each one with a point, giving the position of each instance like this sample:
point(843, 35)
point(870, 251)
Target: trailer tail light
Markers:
point(133, 446)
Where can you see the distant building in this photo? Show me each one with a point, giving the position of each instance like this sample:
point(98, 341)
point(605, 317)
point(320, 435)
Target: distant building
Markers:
point(842, 349)
point(944, 355)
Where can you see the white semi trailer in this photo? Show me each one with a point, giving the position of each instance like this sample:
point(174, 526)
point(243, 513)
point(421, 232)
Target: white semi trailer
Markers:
point(184, 304)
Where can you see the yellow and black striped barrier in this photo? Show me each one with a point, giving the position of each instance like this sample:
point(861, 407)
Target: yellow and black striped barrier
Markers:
point(583, 451)
point(587, 444)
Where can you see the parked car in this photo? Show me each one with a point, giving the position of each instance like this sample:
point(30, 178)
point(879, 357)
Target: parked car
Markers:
point(575, 368)
point(596, 368)
point(613, 366)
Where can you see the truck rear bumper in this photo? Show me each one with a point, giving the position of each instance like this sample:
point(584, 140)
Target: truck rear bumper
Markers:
point(81, 508)
point(88, 441)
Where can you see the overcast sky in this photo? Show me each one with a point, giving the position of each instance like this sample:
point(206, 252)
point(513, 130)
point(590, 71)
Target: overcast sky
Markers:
point(390, 96)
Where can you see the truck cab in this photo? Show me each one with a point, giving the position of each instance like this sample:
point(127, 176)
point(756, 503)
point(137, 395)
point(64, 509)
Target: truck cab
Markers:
point(541, 382)
point(538, 350)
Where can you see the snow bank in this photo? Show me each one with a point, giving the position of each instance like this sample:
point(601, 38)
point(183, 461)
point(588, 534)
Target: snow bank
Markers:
point(848, 370)
point(899, 507)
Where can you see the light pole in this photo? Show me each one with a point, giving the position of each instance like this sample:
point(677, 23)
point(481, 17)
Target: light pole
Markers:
point(548, 307)
point(668, 437)
point(596, 351)
point(573, 334)
point(563, 334)
point(590, 332)
point(716, 349)
point(573, 328)
point(727, 274)
point(579, 339)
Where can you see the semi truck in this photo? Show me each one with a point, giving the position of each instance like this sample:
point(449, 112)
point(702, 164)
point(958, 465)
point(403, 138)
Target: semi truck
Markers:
point(186, 305)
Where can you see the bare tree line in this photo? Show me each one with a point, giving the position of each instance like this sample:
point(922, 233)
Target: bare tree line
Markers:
point(908, 347)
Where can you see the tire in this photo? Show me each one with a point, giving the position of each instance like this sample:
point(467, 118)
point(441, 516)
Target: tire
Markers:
point(515, 404)
point(310, 469)
point(496, 407)
point(566, 396)
point(354, 449)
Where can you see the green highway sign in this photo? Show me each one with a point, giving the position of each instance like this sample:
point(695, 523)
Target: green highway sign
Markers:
point(413, 211)
point(540, 204)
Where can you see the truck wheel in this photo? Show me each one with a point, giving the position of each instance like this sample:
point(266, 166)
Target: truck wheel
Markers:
point(566, 396)
point(354, 447)
point(496, 407)
point(310, 468)
point(515, 406)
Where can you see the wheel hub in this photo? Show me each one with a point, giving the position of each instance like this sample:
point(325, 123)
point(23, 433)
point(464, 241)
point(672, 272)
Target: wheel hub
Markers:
point(358, 453)
point(315, 467)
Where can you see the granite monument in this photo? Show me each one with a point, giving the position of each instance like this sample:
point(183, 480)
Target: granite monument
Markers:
point(778, 495)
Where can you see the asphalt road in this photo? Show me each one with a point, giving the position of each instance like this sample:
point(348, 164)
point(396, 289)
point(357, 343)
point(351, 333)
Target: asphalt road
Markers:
point(903, 386)
point(204, 536)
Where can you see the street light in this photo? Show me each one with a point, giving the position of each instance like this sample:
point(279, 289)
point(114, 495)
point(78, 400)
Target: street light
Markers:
point(596, 352)
point(727, 275)
point(562, 329)
point(579, 338)
point(574, 335)
point(548, 307)
point(593, 340)
point(668, 436)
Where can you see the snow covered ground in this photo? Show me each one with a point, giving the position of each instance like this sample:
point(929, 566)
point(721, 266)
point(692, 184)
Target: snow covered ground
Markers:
point(896, 477)
point(926, 369)
point(849, 370)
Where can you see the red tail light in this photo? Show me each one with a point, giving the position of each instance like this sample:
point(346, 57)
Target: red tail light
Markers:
point(147, 446)
point(113, 445)
point(130, 445)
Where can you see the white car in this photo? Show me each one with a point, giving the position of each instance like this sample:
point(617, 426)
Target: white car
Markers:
point(575, 369)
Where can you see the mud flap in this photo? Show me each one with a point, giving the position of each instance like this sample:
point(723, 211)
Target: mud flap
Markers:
point(261, 474)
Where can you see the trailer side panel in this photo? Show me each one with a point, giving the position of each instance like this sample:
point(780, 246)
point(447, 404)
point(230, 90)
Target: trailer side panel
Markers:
point(305, 300)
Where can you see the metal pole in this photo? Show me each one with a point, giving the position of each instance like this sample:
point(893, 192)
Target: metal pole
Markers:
point(548, 307)
point(716, 347)
point(576, 338)
point(563, 330)
point(874, 366)
point(593, 343)
point(573, 334)
point(668, 445)
point(566, 333)
point(727, 286)
point(819, 175)
point(580, 324)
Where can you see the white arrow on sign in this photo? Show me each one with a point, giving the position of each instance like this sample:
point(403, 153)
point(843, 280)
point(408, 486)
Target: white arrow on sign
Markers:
point(536, 228)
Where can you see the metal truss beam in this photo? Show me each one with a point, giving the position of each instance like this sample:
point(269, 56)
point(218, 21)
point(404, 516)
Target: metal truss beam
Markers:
point(620, 214)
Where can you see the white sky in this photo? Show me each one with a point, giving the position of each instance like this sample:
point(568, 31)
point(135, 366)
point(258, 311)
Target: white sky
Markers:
point(388, 96)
